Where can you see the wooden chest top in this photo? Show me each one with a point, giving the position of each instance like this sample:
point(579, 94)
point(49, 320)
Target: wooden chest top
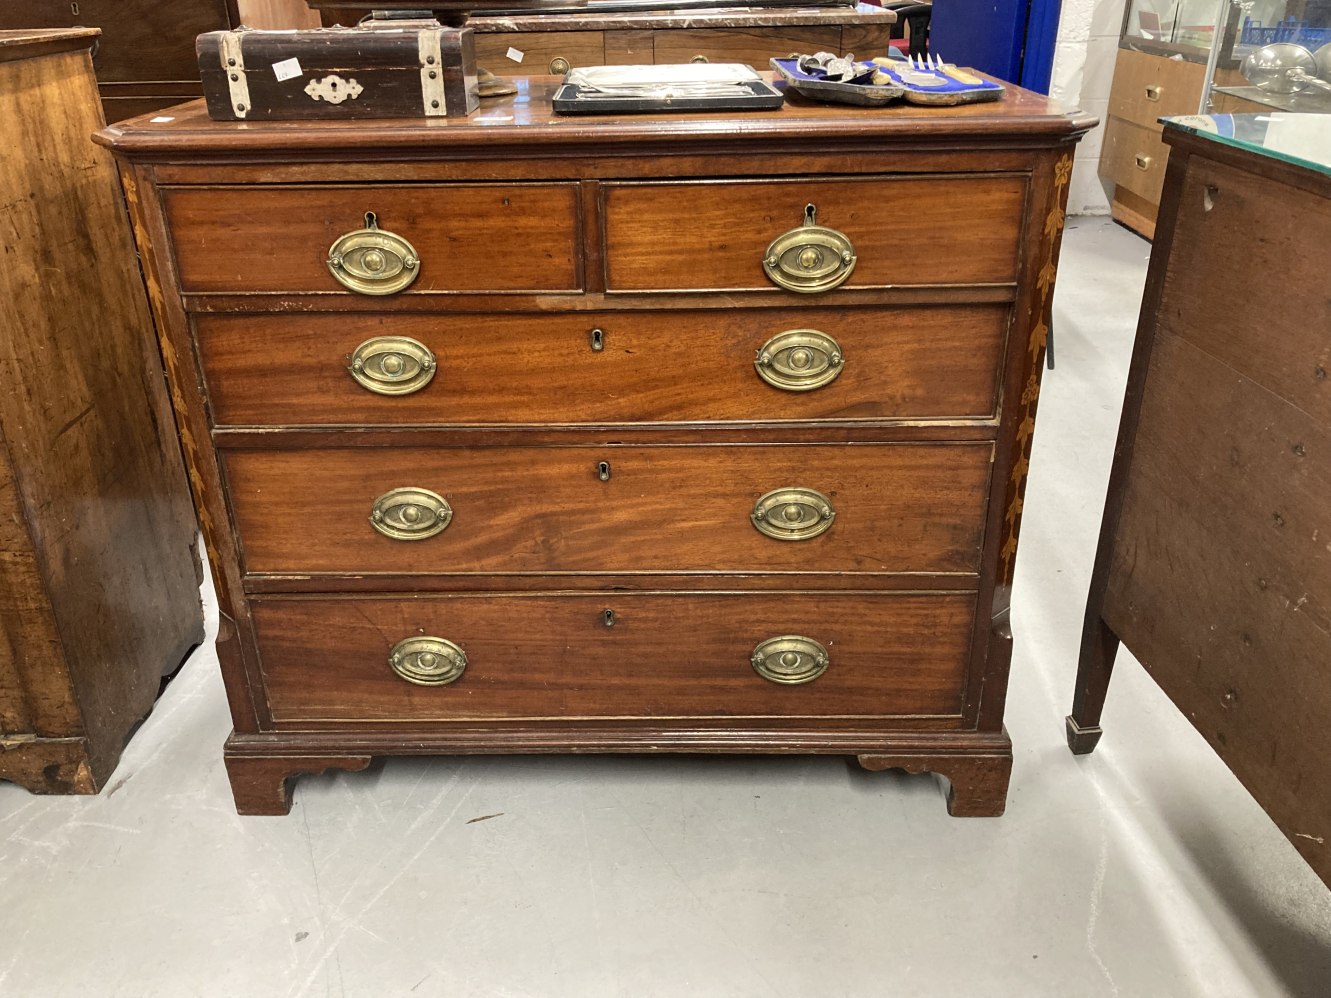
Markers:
point(526, 120)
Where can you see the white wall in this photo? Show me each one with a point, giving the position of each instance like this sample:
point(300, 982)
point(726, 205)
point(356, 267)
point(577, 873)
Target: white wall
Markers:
point(1083, 71)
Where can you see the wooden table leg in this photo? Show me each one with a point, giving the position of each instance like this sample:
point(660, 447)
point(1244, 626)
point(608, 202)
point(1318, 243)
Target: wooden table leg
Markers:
point(1099, 645)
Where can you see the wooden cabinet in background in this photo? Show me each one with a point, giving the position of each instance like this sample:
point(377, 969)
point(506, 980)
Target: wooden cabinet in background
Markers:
point(1147, 86)
point(99, 579)
point(555, 43)
point(144, 59)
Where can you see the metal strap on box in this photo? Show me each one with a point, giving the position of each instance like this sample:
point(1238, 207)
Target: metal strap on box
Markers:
point(432, 73)
point(233, 64)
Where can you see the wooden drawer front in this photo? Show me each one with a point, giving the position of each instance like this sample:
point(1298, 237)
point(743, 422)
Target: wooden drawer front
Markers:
point(470, 237)
point(539, 50)
point(916, 363)
point(1134, 158)
point(665, 656)
point(752, 45)
point(714, 236)
point(1148, 87)
point(899, 508)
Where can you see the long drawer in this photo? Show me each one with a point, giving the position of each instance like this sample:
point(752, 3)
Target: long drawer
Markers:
point(811, 364)
point(886, 508)
point(902, 230)
point(467, 237)
point(614, 655)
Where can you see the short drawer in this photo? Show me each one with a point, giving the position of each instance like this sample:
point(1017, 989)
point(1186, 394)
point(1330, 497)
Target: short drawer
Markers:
point(754, 46)
point(1149, 87)
point(539, 52)
point(466, 237)
point(884, 508)
point(655, 655)
point(1134, 158)
point(739, 365)
point(903, 230)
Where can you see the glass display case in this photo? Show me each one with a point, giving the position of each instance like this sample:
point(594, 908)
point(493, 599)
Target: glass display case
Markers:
point(1272, 54)
point(1172, 28)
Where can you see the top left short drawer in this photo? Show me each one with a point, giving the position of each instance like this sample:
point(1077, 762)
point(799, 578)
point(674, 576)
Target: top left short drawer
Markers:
point(457, 238)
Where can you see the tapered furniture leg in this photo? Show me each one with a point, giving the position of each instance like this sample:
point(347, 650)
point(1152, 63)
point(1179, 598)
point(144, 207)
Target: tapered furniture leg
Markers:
point(261, 784)
point(1099, 646)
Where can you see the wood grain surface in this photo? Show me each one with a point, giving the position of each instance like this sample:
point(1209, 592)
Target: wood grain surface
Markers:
point(899, 508)
point(667, 655)
point(676, 366)
point(501, 237)
point(525, 125)
point(1219, 578)
point(719, 232)
point(538, 49)
point(753, 46)
point(98, 575)
point(657, 242)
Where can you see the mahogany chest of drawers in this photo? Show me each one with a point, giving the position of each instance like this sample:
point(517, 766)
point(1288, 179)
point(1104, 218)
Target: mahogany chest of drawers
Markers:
point(648, 434)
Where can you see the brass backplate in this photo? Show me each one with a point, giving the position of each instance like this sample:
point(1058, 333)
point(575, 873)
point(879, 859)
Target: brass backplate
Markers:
point(799, 360)
point(811, 258)
point(410, 514)
point(392, 365)
point(372, 261)
point(428, 661)
point(793, 514)
point(790, 659)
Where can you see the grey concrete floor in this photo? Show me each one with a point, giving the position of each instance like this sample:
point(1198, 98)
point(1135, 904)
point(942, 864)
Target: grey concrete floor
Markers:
point(1142, 870)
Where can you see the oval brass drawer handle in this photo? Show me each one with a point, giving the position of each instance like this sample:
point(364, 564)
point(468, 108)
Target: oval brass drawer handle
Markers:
point(799, 360)
point(392, 365)
point(811, 258)
point(428, 661)
point(793, 514)
point(409, 514)
point(372, 261)
point(790, 659)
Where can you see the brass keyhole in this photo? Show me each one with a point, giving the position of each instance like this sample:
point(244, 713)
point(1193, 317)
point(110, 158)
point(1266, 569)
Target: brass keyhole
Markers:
point(598, 340)
point(603, 470)
point(608, 618)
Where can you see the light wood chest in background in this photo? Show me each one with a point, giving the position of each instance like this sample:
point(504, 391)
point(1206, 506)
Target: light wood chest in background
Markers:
point(693, 433)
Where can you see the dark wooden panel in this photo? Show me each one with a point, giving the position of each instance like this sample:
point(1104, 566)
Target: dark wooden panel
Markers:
point(899, 363)
point(715, 235)
point(1277, 336)
point(1221, 578)
point(754, 46)
point(141, 39)
point(900, 508)
point(500, 237)
point(98, 578)
point(665, 656)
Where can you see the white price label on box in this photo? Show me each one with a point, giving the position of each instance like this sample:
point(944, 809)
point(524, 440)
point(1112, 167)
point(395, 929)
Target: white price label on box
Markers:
point(516, 55)
point(287, 69)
